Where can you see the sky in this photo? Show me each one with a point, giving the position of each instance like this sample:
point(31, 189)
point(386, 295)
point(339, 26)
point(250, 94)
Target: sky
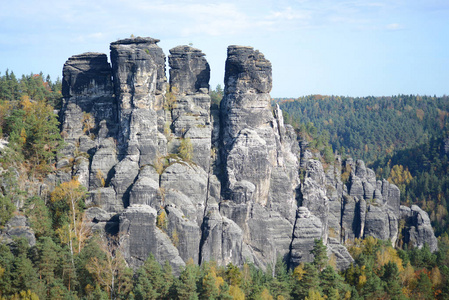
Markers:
point(346, 48)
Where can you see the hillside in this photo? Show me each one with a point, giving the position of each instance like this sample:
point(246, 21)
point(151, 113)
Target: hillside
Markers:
point(147, 188)
point(370, 128)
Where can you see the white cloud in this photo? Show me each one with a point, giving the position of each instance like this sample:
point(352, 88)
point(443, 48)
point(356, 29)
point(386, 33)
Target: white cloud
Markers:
point(394, 26)
point(290, 14)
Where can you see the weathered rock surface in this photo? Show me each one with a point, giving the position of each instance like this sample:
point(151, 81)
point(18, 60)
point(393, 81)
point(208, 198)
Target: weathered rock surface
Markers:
point(18, 226)
point(139, 81)
point(308, 228)
point(418, 230)
point(174, 178)
point(87, 89)
point(139, 237)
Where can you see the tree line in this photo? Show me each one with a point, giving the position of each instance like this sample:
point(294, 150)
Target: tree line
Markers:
point(401, 137)
point(69, 261)
point(369, 128)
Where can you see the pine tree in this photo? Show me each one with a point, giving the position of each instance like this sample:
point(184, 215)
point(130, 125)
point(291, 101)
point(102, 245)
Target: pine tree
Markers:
point(319, 252)
point(185, 286)
point(47, 261)
point(423, 289)
point(309, 280)
point(24, 276)
point(150, 280)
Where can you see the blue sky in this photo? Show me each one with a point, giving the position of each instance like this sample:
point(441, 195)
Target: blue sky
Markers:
point(354, 47)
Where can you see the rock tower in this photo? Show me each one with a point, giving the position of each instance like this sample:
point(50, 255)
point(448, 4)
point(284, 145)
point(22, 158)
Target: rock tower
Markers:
point(172, 177)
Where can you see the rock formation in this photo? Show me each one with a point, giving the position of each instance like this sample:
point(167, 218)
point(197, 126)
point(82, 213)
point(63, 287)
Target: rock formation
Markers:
point(173, 178)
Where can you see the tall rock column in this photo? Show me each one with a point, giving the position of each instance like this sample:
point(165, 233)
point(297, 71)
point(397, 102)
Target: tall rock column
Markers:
point(252, 155)
point(138, 66)
point(248, 136)
point(190, 112)
point(139, 78)
point(89, 111)
point(87, 88)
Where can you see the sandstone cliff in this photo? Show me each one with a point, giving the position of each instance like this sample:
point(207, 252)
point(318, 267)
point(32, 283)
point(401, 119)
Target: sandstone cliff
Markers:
point(173, 178)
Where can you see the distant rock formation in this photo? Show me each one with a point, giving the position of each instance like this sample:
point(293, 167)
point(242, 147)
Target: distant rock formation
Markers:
point(173, 178)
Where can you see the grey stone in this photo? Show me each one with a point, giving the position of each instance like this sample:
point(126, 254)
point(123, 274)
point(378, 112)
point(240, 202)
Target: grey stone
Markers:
point(308, 228)
point(189, 70)
point(237, 200)
point(418, 229)
point(18, 226)
point(222, 240)
point(342, 257)
point(139, 237)
point(377, 223)
point(106, 199)
point(184, 234)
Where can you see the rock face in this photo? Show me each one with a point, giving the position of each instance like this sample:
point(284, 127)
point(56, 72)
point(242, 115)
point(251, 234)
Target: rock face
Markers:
point(417, 230)
point(88, 100)
point(173, 178)
point(17, 226)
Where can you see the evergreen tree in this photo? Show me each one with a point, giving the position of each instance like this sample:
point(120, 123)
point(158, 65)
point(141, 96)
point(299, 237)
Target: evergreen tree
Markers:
point(332, 283)
point(319, 252)
point(151, 281)
point(392, 281)
point(6, 270)
point(47, 261)
point(423, 289)
point(185, 286)
point(309, 280)
point(24, 276)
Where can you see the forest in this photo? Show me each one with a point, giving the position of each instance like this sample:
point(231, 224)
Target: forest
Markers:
point(68, 261)
point(402, 138)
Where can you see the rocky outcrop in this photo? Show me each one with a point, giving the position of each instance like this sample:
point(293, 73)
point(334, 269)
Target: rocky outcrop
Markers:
point(417, 230)
point(17, 226)
point(308, 228)
point(88, 100)
point(140, 221)
point(259, 167)
point(174, 178)
point(139, 84)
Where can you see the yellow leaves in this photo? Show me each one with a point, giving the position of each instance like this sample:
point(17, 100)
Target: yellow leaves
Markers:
point(359, 246)
point(299, 272)
point(160, 164)
point(25, 295)
point(161, 220)
point(186, 149)
point(64, 234)
point(407, 275)
point(108, 270)
point(420, 114)
point(346, 173)
point(362, 281)
point(436, 277)
point(265, 295)
point(170, 98)
point(100, 176)
point(26, 104)
point(400, 176)
point(333, 261)
point(23, 136)
point(88, 123)
point(314, 295)
point(67, 190)
point(70, 193)
point(175, 238)
point(212, 273)
point(236, 293)
point(386, 255)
